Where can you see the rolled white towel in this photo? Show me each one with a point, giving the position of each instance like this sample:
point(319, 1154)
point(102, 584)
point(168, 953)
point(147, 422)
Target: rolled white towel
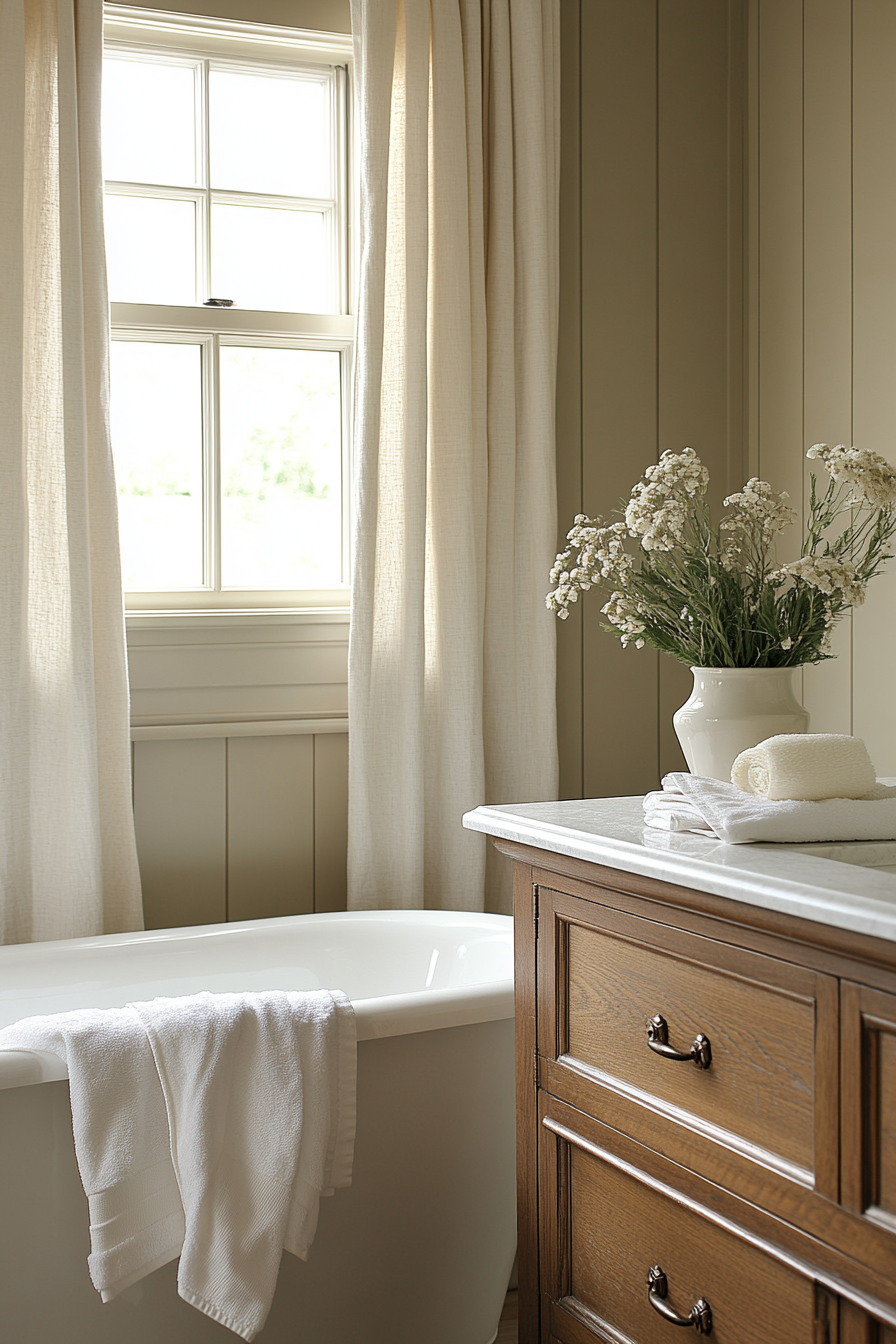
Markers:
point(805, 767)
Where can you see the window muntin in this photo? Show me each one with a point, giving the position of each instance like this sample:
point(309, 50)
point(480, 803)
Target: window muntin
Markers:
point(262, 522)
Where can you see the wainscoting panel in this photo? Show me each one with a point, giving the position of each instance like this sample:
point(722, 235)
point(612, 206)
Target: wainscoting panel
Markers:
point(240, 763)
point(270, 826)
point(240, 827)
point(180, 814)
point(330, 820)
point(255, 666)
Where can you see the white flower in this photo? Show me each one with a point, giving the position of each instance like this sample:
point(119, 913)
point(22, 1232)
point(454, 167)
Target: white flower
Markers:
point(870, 477)
point(601, 558)
point(787, 643)
point(758, 508)
point(624, 612)
point(661, 503)
point(829, 575)
point(679, 472)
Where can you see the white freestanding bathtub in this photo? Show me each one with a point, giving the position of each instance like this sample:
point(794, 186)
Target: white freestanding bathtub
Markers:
point(417, 1251)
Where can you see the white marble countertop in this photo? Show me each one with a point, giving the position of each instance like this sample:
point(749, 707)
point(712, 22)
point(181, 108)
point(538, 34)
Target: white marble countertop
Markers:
point(847, 885)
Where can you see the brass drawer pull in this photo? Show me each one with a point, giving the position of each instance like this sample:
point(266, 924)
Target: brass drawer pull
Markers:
point(699, 1316)
point(658, 1040)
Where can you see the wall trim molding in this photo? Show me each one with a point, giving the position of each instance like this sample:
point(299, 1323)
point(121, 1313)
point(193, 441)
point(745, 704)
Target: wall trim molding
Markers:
point(242, 728)
point(226, 617)
point(131, 23)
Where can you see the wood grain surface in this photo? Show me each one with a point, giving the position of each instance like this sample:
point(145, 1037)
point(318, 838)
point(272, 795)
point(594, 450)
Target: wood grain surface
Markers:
point(766, 1183)
point(619, 1228)
point(761, 1016)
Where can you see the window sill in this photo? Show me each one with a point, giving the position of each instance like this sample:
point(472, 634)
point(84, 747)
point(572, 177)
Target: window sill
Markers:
point(235, 617)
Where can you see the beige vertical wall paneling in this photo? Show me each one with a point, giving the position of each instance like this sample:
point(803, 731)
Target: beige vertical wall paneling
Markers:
point(619, 361)
point(180, 818)
point(822, 181)
point(652, 307)
point(241, 827)
point(780, 247)
point(751, 249)
point(777, 256)
point(827, 264)
point(737, 114)
point(569, 393)
point(330, 820)
point(270, 826)
point(874, 316)
point(692, 300)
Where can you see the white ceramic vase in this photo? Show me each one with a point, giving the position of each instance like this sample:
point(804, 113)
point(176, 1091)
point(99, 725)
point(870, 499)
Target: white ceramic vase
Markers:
point(731, 709)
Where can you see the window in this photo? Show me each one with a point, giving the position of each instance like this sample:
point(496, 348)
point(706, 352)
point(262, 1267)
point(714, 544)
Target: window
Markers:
point(227, 241)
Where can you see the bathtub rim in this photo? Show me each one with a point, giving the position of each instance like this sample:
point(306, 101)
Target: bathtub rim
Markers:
point(375, 1018)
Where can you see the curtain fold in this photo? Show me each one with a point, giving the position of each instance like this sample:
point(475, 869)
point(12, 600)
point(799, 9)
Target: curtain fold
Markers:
point(452, 659)
point(68, 863)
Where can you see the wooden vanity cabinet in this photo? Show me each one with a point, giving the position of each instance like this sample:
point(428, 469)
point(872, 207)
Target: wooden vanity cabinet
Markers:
point(706, 1116)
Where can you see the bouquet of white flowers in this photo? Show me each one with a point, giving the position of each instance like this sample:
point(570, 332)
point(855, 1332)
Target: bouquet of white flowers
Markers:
point(716, 596)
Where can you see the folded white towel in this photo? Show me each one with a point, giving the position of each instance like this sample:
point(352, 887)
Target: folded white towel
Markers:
point(806, 767)
point(723, 812)
point(206, 1127)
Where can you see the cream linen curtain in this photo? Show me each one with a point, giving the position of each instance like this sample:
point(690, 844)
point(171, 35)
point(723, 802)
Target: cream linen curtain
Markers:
point(67, 859)
point(451, 670)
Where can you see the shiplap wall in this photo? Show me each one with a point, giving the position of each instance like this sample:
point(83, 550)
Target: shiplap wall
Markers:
point(651, 357)
point(651, 329)
point(657, 349)
point(240, 764)
point(822, 190)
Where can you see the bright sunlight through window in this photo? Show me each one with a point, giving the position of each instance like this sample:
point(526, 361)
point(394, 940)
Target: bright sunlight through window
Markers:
point(226, 245)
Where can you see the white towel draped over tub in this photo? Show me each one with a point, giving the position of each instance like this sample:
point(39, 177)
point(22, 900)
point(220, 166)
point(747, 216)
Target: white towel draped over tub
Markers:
point(206, 1127)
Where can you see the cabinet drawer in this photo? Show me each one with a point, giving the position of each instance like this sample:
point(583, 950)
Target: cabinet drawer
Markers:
point(771, 1029)
point(613, 1229)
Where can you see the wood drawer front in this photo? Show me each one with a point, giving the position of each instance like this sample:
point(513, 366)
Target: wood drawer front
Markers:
point(766, 1021)
point(612, 1228)
point(868, 1101)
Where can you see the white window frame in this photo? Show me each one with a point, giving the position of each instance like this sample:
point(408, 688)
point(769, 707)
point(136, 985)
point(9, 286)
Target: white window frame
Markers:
point(193, 39)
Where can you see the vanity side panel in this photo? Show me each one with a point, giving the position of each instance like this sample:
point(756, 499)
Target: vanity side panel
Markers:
point(868, 1090)
point(524, 936)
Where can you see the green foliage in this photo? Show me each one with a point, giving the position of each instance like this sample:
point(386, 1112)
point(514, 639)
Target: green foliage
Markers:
point(276, 460)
